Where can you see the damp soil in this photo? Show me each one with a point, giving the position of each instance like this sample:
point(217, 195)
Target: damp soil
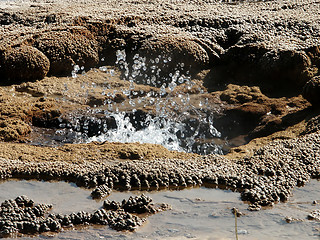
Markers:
point(197, 213)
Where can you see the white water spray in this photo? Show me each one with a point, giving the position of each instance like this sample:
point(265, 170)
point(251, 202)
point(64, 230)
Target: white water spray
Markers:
point(158, 131)
point(175, 123)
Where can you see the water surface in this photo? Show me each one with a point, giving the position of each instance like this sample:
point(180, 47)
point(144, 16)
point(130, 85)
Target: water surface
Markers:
point(198, 213)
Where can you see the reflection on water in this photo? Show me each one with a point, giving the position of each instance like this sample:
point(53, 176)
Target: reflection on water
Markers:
point(65, 197)
point(198, 213)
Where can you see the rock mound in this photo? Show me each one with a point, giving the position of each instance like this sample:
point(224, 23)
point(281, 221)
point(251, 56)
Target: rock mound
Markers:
point(180, 50)
point(311, 91)
point(24, 63)
point(66, 49)
point(277, 72)
point(13, 129)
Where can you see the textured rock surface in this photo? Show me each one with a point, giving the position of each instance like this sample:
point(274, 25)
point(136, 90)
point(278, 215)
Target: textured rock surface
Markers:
point(263, 179)
point(21, 215)
point(23, 64)
point(101, 191)
point(250, 111)
point(139, 205)
point(65, 50)
point(56, 102)
point(311, 91)
point(275, 71)
point(275, 40)
point(253, 56)
point(18, 113)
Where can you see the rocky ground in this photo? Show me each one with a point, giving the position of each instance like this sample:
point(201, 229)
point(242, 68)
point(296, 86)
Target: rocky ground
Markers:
point(255, 65)
point(22, 215)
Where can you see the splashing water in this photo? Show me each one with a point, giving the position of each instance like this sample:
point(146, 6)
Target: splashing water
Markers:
point(158, 131)
point(174, 122)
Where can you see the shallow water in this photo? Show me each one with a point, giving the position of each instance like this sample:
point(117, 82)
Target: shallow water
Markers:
point(198, 213)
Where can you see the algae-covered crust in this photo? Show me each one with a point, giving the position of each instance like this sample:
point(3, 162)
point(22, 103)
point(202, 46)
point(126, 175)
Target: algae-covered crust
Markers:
point(254, 63)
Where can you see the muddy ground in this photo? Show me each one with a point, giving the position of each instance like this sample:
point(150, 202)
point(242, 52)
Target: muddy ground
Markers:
point(255, 65)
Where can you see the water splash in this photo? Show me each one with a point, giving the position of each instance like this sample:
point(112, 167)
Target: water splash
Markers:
point(158, 131)
point(173, 120)
point(172, 126)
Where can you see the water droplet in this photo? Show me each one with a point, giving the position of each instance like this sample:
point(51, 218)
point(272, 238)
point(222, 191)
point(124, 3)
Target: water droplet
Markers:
point(132, 102)
point(163, 90)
